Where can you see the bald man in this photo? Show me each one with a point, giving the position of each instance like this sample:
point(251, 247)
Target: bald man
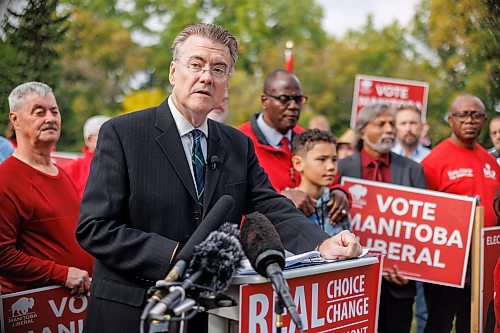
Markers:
point(459, 165)
point(272, 132)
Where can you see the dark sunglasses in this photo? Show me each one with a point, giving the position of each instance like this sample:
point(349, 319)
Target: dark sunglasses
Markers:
point(285, 99)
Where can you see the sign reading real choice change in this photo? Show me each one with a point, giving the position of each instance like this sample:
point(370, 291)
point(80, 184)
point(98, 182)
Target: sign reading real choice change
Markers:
point(43, 310)
point(374, 89)
point(425, 233)
point(340, 301)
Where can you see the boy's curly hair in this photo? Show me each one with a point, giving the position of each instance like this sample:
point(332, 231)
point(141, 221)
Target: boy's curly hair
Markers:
point(305, 141)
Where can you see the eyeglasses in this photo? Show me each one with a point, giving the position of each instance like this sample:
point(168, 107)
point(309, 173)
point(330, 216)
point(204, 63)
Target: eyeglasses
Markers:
point(220, 73)
point(285, 99)
point(464, 115)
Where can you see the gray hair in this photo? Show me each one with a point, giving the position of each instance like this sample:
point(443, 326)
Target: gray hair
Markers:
point(368, 113)
point(213, 32)
point(16, 97)
point(93, 125)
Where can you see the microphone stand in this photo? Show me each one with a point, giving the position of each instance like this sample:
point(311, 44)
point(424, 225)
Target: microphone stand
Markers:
point(279, 308)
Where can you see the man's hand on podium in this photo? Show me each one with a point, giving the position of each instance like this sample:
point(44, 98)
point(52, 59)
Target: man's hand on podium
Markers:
point(344, 245)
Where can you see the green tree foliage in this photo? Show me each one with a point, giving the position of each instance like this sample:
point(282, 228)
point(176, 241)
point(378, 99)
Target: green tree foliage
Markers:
point(116, 52)
point(29, 48)
point(462, 37)
point(99, 64)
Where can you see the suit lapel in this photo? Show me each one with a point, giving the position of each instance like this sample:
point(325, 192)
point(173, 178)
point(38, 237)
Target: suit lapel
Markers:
point(215, 147)
point(396, 169)
point(170, 142)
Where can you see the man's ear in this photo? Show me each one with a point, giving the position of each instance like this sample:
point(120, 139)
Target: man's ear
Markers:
point(298, 163)
point(13, 117)
point(171, 73)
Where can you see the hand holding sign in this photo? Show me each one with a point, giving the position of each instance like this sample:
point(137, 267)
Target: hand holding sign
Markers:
point(392, 275)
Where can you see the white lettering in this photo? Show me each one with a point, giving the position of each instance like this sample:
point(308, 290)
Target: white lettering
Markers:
point(392, 91)
point(315, 320)
point(258, 319)
point(83, 305)
point(58, 311)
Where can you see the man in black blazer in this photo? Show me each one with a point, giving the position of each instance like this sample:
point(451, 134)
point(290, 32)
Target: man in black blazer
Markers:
point(375, 129)
point(144, 197)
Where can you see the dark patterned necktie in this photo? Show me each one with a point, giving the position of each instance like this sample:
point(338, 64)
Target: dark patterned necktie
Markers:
point(198, 164)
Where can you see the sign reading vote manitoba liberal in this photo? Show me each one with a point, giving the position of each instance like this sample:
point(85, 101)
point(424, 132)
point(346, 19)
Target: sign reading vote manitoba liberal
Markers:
point(43, 310)
point(387, 90)
point(344, 300)
point(425, 233)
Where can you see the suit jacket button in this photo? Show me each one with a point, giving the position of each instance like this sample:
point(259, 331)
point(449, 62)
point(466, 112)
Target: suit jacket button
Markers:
point(197, 215)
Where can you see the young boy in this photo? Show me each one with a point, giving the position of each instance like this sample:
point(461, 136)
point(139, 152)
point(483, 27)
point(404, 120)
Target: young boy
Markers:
point(315, 158)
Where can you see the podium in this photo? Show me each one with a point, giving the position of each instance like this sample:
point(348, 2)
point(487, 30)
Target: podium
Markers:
point(329, 296)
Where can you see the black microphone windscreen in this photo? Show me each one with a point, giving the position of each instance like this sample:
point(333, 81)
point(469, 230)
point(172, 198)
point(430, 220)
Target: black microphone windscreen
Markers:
point(215, 217)
point(219, 256)
point(261, 243)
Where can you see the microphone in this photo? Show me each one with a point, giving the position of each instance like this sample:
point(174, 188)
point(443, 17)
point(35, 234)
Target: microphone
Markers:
point(263, 248)
point(215, 217)
point(214, 161)
point(214, 263)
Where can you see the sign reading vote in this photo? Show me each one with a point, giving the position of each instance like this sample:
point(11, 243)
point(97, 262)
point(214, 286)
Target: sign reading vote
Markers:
point(425, 233)
point(345, 300)
point(395, 92)
point(44, 310)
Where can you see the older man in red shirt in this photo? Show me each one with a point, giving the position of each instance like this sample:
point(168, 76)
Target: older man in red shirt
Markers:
point(39, 205)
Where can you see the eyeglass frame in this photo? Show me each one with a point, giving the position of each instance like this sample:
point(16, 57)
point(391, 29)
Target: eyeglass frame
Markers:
point(288, 98)
point(475, 116)
point(202, 70)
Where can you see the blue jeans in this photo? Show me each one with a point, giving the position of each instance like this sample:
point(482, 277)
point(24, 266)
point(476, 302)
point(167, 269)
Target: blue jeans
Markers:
point(420, 307)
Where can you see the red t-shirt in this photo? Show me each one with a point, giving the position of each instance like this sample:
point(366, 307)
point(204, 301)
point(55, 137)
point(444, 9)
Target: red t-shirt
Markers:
point(453, 169)
point(78, 170)
point(38, 217)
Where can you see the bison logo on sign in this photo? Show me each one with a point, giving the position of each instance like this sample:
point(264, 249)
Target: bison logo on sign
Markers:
point(358, 192)
point(22, 306)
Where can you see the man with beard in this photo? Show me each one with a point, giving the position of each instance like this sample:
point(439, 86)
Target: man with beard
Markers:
point(38, 203)
point(495, 138)
point(272, 132)
point(409, 127)
point(376, 133)
point(459, 165)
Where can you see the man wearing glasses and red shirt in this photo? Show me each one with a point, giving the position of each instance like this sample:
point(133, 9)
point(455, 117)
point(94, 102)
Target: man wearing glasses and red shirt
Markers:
point(459, 165)
point(272, 132)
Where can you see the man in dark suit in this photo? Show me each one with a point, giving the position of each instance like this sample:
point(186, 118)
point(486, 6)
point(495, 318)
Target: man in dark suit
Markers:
point(149, 188)
point(375, 129)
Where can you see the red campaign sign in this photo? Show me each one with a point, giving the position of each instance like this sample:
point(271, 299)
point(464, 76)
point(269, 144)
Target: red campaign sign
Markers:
point(490, 253)
point(397, 92)
point(425, 233)
point(341, 301)
point(43, 310)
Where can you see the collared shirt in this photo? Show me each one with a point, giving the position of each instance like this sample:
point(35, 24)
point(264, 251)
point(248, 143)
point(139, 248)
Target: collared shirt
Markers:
point(368, 166)
point(273, 137)
point(418, 154)
point(185, 127)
